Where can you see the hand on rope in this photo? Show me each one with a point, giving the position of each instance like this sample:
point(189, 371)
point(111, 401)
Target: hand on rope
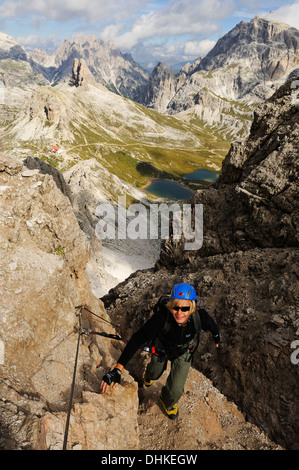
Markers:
point(113, 377)
point(109, 378)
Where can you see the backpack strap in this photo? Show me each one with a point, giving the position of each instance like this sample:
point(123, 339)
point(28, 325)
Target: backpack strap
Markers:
point(197, 321)
point(197, 324)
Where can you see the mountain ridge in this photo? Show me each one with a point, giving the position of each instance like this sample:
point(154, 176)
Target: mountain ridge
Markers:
point(258, 31)
point(243, 69)
point(118, 72)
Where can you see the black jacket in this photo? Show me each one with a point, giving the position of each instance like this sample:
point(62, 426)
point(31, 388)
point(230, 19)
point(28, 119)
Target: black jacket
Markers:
point(173, 336)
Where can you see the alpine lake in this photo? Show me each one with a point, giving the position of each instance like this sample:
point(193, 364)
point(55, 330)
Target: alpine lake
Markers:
point(162, 184)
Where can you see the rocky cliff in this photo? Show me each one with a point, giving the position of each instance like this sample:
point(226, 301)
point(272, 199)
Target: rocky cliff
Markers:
point(243, 69)
point(107, 64)
point(246, 273)
point(268, 47)
point(161, 88)
point(44, 256)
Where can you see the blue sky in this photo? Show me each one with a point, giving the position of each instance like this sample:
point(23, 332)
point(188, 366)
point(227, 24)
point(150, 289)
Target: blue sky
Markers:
point(166, 30)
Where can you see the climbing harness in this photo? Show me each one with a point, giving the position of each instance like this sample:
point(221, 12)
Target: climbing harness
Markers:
point(149, 348)
point(86, 331)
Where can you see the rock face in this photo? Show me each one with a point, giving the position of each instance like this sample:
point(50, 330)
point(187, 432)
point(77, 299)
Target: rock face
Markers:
point(162, 86)
point(243, 69)
point(44, 106)
point(43, 258)
point(107, 64)
point(81, 74)
point(257, 43)
point(245, 274)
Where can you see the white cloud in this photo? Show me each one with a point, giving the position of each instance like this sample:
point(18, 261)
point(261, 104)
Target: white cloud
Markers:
point(196, 49)
point(150, 29)
point(84, 10)
point(288, 14)
point(177, 18)
point(111, 31)
point(33, 41)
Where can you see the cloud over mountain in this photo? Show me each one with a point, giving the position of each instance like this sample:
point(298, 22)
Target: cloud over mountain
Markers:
point(172, 31)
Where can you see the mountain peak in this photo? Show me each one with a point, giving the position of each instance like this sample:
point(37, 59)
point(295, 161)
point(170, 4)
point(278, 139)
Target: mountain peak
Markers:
point(260, 20)
point(255, 43)
point(81, 75)
point(161, 67)
point(10, 48)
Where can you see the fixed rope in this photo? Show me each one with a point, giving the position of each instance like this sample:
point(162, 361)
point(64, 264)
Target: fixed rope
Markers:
point(98, 316)
point(86, 331)
point(72, 388)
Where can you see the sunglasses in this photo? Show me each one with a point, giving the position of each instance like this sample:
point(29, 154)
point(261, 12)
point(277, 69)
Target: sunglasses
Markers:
point(183, 309)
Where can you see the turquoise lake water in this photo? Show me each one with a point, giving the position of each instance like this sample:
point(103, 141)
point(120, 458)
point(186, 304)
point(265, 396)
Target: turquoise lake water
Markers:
point(173, 190)
point(203, 175)
point(169, 189)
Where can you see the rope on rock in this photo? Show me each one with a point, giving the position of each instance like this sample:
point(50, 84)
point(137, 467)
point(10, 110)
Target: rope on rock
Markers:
point(98, 316)
point(72, 388)
point(86, 331)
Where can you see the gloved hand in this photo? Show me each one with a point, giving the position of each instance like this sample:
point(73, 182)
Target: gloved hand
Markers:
point(111, 377)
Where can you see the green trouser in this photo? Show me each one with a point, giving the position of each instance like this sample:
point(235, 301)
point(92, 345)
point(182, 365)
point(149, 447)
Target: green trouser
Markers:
point(174, 387)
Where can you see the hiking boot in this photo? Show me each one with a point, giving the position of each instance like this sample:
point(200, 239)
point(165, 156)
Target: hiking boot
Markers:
point(172, 412)
point(147, 383)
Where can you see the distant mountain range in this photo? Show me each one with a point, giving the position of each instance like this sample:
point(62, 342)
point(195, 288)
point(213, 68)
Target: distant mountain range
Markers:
point(217, 93)
point(244, 68)
point(64, 115)
point(117, 71)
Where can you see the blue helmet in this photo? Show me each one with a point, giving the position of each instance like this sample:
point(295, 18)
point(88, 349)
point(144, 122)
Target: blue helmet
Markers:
point(183, 291)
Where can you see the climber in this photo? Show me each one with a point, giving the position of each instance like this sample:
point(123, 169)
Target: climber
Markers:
point(171, 333)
